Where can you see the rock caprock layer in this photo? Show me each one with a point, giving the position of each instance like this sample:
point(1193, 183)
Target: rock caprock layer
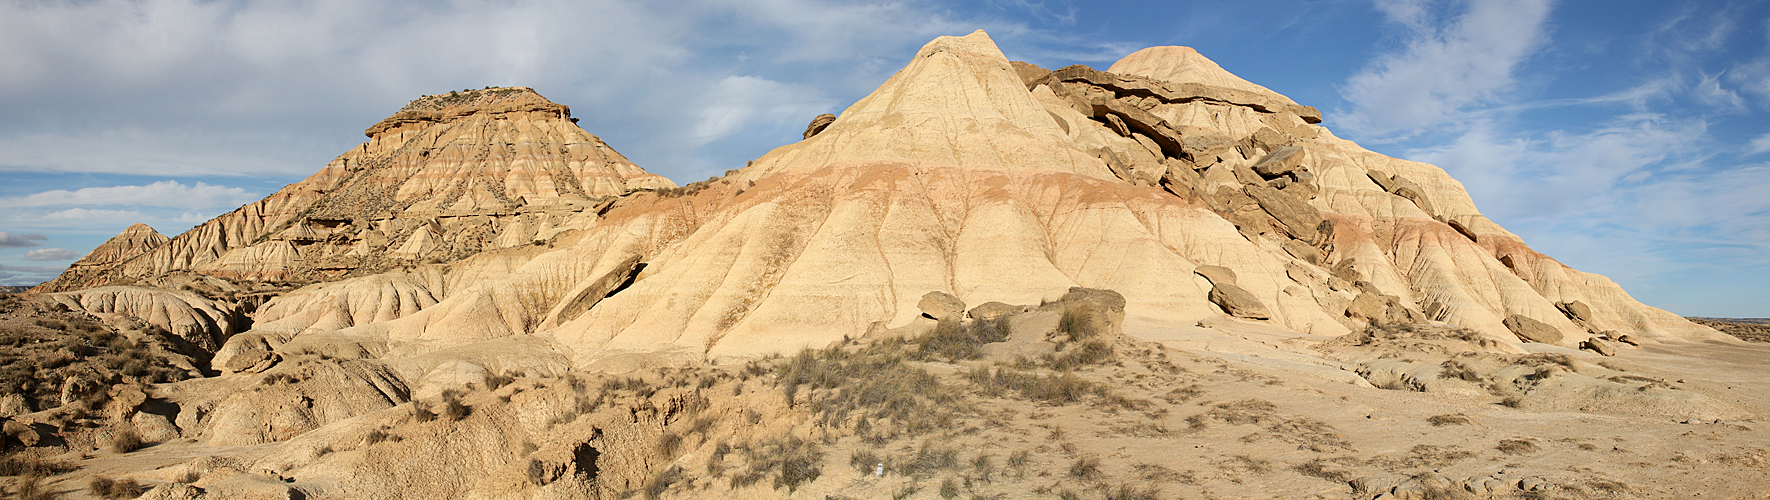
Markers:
point(964, 173)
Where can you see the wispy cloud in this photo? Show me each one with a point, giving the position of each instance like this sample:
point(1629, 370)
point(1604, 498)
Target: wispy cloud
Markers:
point(159, 194)
point(9, 240)
point(51, 255)
point(1760, 144)
point(1444, 68)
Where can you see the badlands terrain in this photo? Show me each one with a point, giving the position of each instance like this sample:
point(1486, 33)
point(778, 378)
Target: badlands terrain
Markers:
point(986, 279)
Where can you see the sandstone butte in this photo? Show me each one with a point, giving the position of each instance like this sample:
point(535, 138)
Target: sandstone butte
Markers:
point(484, 232)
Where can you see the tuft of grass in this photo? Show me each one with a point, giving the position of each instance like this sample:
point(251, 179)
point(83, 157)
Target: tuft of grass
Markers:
point(1516, 446)
point(1246, 411)
point(1127, 491)
point(22, 464)
point(954, 340)
point(656, 486)
point(1057, 389)
point(1323, 469)
point(110, 489)
point(792, 462)
point(949, 489)
point(875, 382)
point(864, 461)
point(452, 409)
point(126, 440)
point(1085, 468)
point(1451, 419)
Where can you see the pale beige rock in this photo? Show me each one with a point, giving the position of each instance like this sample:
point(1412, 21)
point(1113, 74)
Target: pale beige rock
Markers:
point(941, 306)
point(1531, 330)
point(201, 321)
point(135, 240)
point(1238, 302)
point(1217, 274)
point(818, 124)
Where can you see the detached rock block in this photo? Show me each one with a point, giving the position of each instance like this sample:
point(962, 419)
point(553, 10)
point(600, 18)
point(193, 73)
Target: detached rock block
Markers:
point(1530, 330)
point(1238, 302)
point(941, 306)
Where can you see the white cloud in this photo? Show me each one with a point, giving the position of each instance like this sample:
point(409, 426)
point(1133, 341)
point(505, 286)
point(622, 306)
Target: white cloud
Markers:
point(741, 101)
point(1443, 70)
point(51, 254)
point(1760, 144)
point(158, 194)
point(75, 214)
point(9, 240)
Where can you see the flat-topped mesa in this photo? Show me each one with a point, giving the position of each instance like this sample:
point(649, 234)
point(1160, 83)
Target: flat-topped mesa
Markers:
point(442, 108)
point(444, 178)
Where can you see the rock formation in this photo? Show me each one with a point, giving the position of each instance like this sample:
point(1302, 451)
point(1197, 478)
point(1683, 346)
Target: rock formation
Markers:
point(1162, 207)
point(445, 177)
point(965, 172)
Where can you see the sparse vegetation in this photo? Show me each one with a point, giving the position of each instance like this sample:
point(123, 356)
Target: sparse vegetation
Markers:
point(1516, 446)
point(108, 488)
point(1451, 419)
point(126, 440)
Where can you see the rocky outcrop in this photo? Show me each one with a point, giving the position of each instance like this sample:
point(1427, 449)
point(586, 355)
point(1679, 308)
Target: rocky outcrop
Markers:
point(462, 166)
point(965, 173)
point(201, 321)
point(818, 124)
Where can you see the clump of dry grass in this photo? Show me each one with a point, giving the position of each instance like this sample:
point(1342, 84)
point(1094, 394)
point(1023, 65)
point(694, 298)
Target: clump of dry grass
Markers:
point(875, 382)
point(126, 440)
point(1450, 419)
point(1516, 446)
point(104, 487)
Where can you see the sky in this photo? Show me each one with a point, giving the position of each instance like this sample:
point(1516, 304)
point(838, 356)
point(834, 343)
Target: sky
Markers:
point(1626, 138)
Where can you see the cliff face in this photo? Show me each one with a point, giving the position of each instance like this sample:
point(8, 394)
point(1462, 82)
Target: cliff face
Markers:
point(442, 179)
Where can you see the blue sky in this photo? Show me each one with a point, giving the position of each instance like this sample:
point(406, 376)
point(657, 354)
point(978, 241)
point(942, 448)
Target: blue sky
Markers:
point(1626, 138)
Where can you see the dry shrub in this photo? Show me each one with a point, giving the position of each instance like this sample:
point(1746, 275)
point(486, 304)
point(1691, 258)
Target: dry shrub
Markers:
point(108, 488)
point(1077, 355)
point(927, 460)
point(1451, 419)
point(1454, 369)
point(875, 382)
point(1325, 469)
point(452, 409)
point(864, 461)
point(1129, 491)
point(24, 464)
point(949, 489)
point(1246, 411)
point(792, 462)
point(1051, 388)
point(126, 440)
point(1516, 446)
point(656, 486)
point(1085, 468)
point(31, 487)
point(954, 340)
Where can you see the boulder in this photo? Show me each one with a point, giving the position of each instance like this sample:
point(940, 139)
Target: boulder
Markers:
point(1530, 330)
point(1281, 162)
point(1238, 302)
point(252, 361)
point(1030, 74)
point(1382, 180)
point(1306, 252)
point(1268, 139)
point(1598, 346)
point(1576, 310)
point(1218, 275)
point(941, 306)
point(989, 311)
point(819, 124)
point(1205, 148)
point(1298, 217)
